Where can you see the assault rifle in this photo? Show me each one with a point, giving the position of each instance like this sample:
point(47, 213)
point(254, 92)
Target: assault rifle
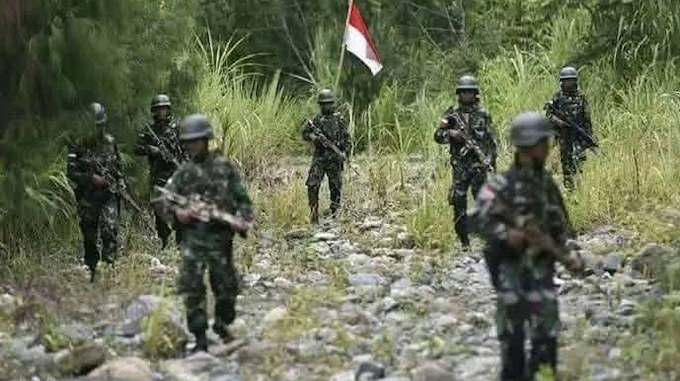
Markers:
point(115, 185)
point(206, 211)
point(166, 154)
point(581, 134)
point(330, 145)
point(471, 145)
point(538, 240)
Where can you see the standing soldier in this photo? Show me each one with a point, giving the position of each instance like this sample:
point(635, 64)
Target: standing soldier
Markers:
point(207, 243)
point(326, 131)
point(569, 112)
point(469, 131)
point(94, 171)
point(160, 143)
point(522, 217)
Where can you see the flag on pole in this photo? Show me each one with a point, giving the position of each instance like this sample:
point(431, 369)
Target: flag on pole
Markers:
point(359, 41)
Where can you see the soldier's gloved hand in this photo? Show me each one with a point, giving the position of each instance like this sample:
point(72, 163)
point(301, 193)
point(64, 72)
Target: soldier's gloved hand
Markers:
point(454, 135)
point(184, 216)
point(98, 181)
point(516, 238)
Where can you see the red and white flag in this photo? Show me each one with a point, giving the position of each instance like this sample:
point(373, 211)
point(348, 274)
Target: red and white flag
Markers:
point(359, 41)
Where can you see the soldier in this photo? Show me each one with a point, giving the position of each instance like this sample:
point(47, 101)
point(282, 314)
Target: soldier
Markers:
point(468, 130)
point(568, 110)
point(207, 245)
point(327, 125)
point(160, 143)
point(522, 217)
point(94, 169)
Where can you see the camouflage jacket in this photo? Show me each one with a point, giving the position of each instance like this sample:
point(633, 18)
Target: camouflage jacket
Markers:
point(335, 129)
point(217, 181)
point(96, 156)
point(513, 200)
point(572, 108)
point(160, 168)
point(478, 127)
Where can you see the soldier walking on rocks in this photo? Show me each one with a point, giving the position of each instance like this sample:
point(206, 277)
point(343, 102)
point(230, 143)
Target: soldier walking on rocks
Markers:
point(159, 142)
point(521, 216)
point(468, 130)
point(207, 243)
point(569, 112)
point(328, 132)
point(93, 167)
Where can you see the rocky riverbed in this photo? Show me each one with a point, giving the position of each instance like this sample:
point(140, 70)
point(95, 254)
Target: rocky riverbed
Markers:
point(358, 303)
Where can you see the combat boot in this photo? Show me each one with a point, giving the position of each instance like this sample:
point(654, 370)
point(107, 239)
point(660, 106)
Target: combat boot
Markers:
point(314, 218)
point(201, 343)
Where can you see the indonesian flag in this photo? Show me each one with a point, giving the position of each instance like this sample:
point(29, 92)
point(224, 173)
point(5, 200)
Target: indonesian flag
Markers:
point(358, 40)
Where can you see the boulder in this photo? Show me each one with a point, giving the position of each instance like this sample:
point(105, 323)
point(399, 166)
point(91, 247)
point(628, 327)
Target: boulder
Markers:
point(81, 360)
point(127, 368)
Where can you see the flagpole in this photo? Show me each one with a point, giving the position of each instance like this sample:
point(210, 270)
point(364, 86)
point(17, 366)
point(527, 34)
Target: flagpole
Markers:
point(342, 47)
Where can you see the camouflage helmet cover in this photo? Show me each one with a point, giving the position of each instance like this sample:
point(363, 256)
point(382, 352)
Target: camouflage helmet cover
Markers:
point(467, 82)
point(160, 100)
point(98, 112)
point(529, 128)
point(326, 96)
point(194, 127)
point(568, 72)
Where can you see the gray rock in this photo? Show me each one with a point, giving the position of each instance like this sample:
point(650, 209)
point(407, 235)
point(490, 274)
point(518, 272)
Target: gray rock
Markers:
point(74, 333)
point(325, 236)
point(128, 368)
point(274, 316)
point(651, 259)
point(198, 367)
point(371, 223)
point(139, 309)
point(612, 263)
point(344, 376)
point(366, 279)
point(7, 303)
point(432, 372)
point(81, 359)
point(296, 234)
point(369, 371)
point(256, 351)
point(627, 307)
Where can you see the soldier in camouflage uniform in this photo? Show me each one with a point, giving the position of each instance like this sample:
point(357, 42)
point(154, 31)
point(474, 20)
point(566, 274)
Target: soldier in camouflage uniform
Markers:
point(569, 105)
point(522, 217)
point(325, 161)
point(160, 143)
point(472, 147)
point(92, 166)
point(207, 245)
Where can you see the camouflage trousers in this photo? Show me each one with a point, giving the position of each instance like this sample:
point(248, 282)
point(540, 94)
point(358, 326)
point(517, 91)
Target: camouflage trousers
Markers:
point(536, 316)
point(464, 178)
point(223, 281)
point(572, 157)
point(318, 170)
point(99, 219)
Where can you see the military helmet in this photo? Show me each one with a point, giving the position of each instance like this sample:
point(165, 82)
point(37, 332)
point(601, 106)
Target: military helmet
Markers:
point(160, 100)
point(194, 127)
point(98, 112)
point(467, 82)
point(326, 96)
point(529, 128)
point(568, 72)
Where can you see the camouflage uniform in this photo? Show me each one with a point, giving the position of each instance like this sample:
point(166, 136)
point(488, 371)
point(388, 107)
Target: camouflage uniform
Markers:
point(161, 169)
point(468, 170)
point(523, 278)
point(325, 161)
point(98, 208)
point(208, 246)
point(573, 108)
